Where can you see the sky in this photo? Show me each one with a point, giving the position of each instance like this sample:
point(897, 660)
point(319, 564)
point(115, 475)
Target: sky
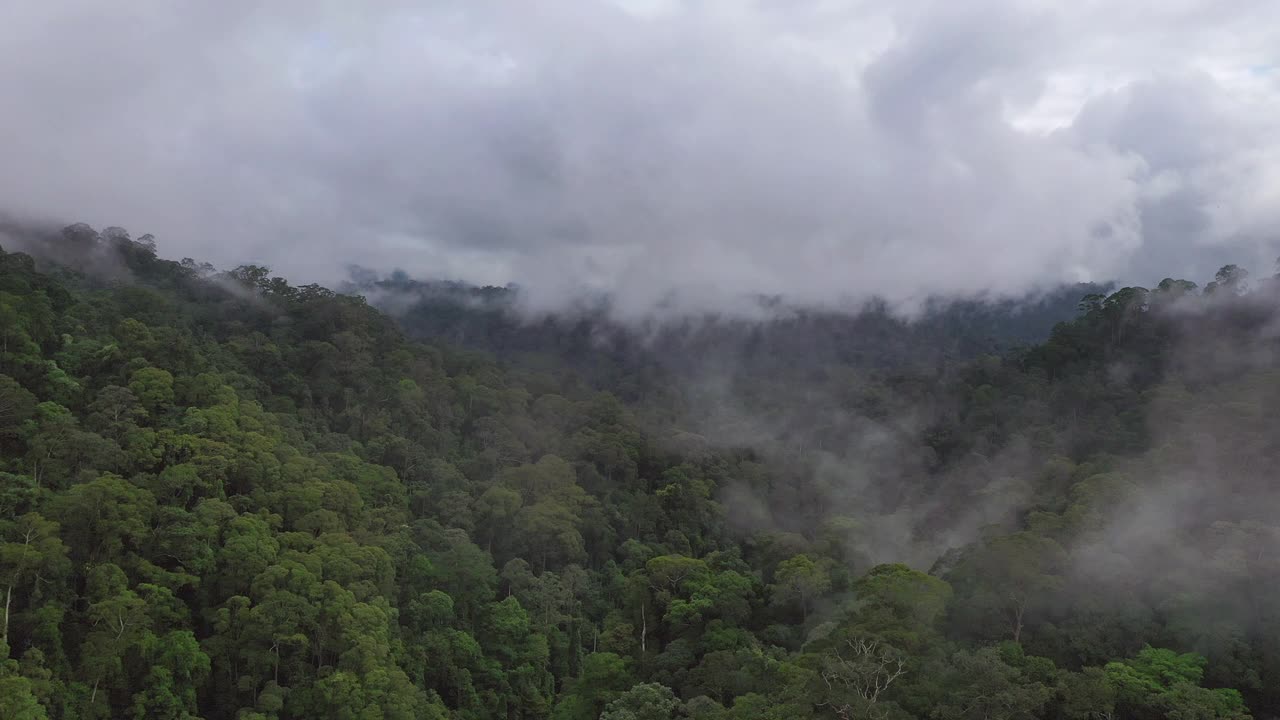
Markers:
point(672, 153)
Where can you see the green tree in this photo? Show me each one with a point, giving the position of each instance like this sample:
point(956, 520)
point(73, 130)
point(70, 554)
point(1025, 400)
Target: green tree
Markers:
point(104, 520)
point(604, 678)
point(31, 553)
point(153, 387)
point(646, 701)
point(178, 668)
point(1162, 683)
point(800, 580)
point(1006, 578)
point(902, 605)
point(17, 405)
point(980, 684)
point(17, 701)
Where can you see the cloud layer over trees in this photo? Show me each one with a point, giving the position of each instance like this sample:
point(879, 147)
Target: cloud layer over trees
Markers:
point(663, 151)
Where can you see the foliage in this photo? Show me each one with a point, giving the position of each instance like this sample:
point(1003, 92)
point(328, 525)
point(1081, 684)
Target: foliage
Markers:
point(226, 497)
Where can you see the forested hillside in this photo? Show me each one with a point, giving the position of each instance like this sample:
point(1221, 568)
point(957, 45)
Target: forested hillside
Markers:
point(224, 496)
point(768, 337)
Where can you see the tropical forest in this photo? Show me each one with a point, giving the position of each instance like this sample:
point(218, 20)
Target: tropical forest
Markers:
point(224, 496)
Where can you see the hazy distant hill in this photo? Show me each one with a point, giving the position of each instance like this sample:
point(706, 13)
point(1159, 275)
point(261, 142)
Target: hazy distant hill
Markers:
point(794, 340)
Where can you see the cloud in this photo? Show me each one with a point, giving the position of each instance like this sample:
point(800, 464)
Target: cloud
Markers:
point(663, 151)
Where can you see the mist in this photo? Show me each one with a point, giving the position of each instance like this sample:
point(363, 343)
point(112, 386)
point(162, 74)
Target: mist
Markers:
point(1191, 519)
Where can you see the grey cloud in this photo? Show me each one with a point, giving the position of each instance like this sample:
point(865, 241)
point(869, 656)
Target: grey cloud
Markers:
point(693, 152)
point(1203, 152)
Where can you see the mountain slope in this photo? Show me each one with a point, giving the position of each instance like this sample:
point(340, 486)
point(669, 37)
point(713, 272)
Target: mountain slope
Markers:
point(228, 497)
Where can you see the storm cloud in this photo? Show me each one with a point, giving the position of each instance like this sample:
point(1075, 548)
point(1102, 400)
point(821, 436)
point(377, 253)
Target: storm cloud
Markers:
point(666, 152)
